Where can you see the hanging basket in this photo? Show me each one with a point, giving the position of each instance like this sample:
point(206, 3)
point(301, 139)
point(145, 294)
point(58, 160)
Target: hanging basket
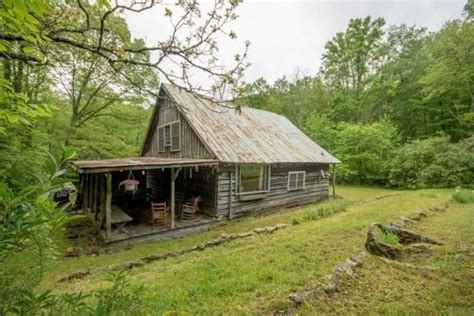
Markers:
point(130, 185)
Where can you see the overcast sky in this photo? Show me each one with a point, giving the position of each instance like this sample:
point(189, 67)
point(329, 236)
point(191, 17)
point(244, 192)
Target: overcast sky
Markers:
point(289, 36)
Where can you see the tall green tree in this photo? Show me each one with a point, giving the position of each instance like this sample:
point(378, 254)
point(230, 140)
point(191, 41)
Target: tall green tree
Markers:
point(349, 61)
point(449, 80)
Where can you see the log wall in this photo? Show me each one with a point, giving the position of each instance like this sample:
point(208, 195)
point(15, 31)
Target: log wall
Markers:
point(316, 189)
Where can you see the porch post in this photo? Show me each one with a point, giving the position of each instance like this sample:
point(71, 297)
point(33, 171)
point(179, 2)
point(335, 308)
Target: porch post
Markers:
point(174, 175)
point(172, 197)
point(334, 180)
point(85, 194)
point(94, 196)
point(103, 202)
point(108, 207)
point(90, 188)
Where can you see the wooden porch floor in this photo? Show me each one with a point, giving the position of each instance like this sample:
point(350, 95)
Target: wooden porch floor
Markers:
point(139, 230)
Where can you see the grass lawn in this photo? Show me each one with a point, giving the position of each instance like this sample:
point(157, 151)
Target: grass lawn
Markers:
point(255, 274)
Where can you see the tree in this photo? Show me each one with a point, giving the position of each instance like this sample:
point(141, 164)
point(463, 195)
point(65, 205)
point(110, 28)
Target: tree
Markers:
point(365, 151)
point(350, 59)
point(395, 90)
point(294, 99)
point(449, 80)
point(191, 46)
point(90, 83)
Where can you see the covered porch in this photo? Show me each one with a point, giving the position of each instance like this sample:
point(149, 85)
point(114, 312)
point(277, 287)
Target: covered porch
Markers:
point(118, 195)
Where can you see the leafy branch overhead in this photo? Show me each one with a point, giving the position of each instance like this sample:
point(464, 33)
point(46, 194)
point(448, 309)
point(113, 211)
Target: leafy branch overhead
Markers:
point(39, 28)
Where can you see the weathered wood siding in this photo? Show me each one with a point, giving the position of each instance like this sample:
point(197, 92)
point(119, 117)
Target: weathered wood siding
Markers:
point(190, 144)
point(316, 189)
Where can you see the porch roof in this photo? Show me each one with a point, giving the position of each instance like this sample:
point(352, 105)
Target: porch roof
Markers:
point(138, 163)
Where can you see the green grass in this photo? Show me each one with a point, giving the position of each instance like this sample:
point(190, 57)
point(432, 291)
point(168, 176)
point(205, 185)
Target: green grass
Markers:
point(464, 196)
point(387, 237)
point(255, 274)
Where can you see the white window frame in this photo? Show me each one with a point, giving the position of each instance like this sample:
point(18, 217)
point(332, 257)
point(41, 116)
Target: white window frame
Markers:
point(163, 127)
point(267, 172)
point(298, 174)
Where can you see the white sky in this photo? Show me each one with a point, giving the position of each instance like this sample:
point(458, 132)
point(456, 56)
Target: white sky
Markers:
point(289, 36)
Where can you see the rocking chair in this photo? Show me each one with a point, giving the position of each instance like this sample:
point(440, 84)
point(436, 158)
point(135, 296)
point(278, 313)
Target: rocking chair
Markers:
point(190, 209)
point(159, 214)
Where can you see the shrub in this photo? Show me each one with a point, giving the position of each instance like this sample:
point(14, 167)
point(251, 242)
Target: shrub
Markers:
point(463, 196)
point(433, 162)
point(364, 151)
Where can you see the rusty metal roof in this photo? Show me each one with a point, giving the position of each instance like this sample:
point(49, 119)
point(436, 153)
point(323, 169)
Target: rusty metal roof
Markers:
point(253, 136)
point(138, 163)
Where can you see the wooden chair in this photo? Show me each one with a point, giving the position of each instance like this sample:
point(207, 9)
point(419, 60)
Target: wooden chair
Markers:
point(190, 209)
point(159, 214)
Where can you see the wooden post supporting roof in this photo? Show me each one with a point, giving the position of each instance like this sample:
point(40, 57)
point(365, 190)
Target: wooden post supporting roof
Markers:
point(90, 188)
point(94, 196)
point(108, 207)
point(103, 201)
point(334, 180)
point(85, 194)
point(174, 175)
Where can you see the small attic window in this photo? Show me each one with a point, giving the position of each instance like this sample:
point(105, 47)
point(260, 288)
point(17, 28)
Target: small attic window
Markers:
point(167, 135)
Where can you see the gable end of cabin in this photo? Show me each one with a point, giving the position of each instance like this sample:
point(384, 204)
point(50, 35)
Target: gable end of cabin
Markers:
point(170, 135)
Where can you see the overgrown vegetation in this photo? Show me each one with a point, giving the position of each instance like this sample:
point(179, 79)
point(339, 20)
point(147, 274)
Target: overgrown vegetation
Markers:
point(464, 196)
point(224, 279)
point(395, 104)
point(319, 212)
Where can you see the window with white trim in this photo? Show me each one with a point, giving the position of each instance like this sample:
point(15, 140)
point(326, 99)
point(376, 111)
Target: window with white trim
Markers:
point(296, 180)
point(169, 136)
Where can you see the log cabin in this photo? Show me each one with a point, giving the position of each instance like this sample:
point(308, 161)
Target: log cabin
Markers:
point(227, 161)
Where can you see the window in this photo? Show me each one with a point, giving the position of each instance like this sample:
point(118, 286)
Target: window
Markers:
point(253, 178)
point(296, 180)
point(169, 136)
point(175, 145)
